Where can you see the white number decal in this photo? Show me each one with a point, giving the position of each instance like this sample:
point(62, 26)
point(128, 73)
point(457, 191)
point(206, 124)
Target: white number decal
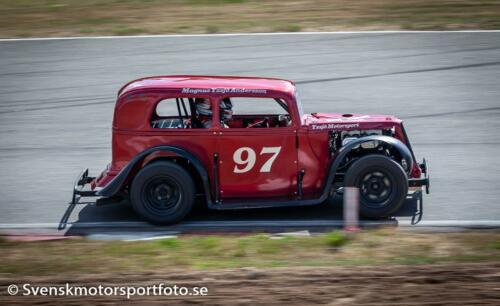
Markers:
point(266, 167)
point(249, 161)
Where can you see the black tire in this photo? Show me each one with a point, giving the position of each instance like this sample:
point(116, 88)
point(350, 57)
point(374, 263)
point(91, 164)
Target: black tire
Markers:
point(162, 193)
point(382, 183)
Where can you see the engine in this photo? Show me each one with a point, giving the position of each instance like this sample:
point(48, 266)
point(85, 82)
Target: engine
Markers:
point(338, 139)
point(348, 136)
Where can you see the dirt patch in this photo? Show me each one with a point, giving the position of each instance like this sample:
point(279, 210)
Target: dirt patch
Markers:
point(446, 284)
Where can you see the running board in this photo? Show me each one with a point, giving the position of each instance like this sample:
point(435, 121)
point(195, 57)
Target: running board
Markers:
point(252, 204)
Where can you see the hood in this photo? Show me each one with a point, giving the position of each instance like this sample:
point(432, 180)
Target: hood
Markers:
point(334, 121)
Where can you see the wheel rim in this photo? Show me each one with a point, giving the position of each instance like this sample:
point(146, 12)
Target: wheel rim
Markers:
point(376, 188)
point(161, 195)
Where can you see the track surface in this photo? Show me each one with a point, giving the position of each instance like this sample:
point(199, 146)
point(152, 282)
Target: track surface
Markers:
point(57, 97)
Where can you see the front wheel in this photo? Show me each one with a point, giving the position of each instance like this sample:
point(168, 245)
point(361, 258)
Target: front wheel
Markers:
point(382, 183)
point(162, 193)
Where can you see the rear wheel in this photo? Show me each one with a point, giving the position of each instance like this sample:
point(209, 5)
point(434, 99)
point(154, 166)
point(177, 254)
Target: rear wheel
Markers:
point(382, 183)
point(162, 193)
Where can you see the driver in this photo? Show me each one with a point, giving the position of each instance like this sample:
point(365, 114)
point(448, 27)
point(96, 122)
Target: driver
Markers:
point(226, 112)
point(204, 111)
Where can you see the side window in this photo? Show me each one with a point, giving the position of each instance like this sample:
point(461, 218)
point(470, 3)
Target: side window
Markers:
point(250, 112)
point(173, 113)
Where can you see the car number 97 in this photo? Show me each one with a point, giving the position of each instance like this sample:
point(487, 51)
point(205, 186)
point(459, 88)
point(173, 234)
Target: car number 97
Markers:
point(245, 159)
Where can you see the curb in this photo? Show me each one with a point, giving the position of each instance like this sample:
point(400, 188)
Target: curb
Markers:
point(247, 34)
point(254, 224)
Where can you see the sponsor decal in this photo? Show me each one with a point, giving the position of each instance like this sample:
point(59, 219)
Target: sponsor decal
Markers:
point(222, 90)
point(360, 118)
point(195, 91)
point(334, 126)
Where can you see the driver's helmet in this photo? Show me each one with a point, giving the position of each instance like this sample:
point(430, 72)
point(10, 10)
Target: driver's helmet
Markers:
point(203, 107)
point(226, 109)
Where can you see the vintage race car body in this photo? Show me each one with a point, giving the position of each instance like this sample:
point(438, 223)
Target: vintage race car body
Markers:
point(287, 158)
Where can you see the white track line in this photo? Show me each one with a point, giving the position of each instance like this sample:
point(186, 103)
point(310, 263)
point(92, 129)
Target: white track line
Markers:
point(257, 223)
point(242, 34)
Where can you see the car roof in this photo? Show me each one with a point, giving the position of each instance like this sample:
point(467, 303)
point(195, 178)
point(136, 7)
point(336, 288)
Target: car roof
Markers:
point(208, 82)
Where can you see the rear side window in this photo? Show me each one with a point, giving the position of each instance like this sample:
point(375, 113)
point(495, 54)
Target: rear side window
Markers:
point(168, 108)
point(174, 113)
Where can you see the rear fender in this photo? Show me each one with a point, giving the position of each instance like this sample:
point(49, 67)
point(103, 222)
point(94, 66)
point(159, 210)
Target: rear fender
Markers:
point(147, 156)
point(159, 155)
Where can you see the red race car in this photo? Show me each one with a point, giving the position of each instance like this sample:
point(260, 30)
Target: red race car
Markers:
point(242, 142)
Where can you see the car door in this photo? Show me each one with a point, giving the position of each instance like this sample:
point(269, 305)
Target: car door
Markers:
point(257, 161)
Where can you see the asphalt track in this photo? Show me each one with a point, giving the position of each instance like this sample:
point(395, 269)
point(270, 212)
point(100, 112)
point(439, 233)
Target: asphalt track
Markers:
point(57, 97)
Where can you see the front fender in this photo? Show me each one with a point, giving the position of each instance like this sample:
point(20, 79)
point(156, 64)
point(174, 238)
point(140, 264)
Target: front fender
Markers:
point(391, 141)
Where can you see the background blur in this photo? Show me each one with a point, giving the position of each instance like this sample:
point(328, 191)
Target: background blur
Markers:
point(25, 18)
point(57, 96)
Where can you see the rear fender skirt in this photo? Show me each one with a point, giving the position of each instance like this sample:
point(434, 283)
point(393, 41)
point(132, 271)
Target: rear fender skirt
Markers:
point(117, 183)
